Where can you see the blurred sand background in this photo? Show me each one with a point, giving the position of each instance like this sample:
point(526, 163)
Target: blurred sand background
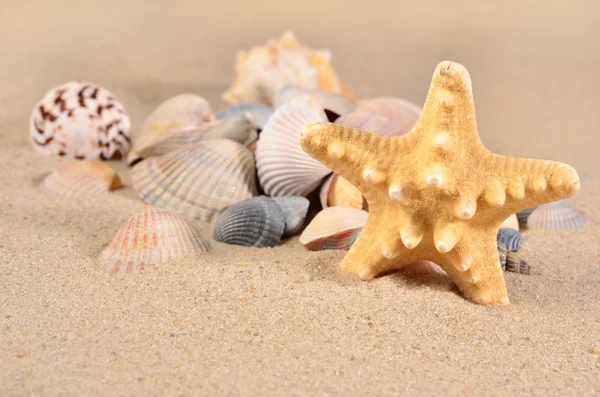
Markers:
point(284, 321)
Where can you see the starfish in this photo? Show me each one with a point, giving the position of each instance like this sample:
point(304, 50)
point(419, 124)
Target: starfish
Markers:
point(437, 193)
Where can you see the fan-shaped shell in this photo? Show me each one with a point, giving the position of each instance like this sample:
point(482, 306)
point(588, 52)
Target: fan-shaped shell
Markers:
point(370, 122)
point(294, 209)
point(339, 191)
point(149, 238)
point(334, 228)
point(174, 115)
point(259, 112)
point(511, 238)
point(257, 222)
point(397, 110)
point(334, 102)
point(80, 120)
point(237, 128)
point(284, 169)
point(82, 178)
point(263, 71)
point(557, 215)
point(199, 180)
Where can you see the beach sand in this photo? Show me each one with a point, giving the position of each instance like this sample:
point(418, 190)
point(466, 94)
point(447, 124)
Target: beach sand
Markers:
point(285, 321)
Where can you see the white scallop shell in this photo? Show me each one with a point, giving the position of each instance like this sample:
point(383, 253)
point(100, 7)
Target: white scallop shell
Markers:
point(557, 215)
point(397, 110)
point(82, 178)
point(371, 122)
point(334, 228)
point(284, 169)
point(80, 120)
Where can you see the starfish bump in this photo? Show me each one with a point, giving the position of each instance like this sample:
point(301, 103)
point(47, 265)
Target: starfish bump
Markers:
point(437, 193)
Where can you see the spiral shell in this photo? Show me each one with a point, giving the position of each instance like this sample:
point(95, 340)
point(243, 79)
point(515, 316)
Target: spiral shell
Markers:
point(334, 228)
point(80, 120)
point(511, 238)
point(515, 264)
point(81, 178)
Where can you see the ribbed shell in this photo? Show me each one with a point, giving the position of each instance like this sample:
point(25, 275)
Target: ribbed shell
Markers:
point(557, 215)
point(511, 238)
point(149, 238)
point(257, 222)
point(334, 228)
point(236, 128)
point(197, 181)
point(284, 169)
point(371, 122)
point(397, 110)
point(81, 178)
point(294, 209)
point(260, 112)
point(515, 264)
point(339, 191)
point(80, 120)
point(334, 102)
point(502, 251)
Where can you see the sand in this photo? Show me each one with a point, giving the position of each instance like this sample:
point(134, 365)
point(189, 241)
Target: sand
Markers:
point(285, 321)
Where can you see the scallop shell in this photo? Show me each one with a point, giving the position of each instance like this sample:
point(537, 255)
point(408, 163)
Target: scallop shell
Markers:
point(294, 209)
point(397, 110)
point(174, 115)
point(523, 215)
point(236, 128)
point(334, 102)
point(149, 238)
point(259, 111)
point(370, 122)
point(257, 222)
point(199, 180)
point(263, 71)
point(511, 223)
point(284, 169)
point(515, 264)
point(557, 215)
point(511, 238)
point(82, 178)
point(334, 228)
point(339, 191)
point(80, 120)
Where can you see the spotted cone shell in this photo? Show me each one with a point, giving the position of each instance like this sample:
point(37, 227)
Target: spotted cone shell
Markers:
point(81, 178)
point(197, 181)
point(334, 228)
point(80, 120)
point(149, 238)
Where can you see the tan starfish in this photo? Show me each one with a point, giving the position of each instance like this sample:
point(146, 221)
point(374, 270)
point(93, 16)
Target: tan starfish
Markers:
point(437, 193)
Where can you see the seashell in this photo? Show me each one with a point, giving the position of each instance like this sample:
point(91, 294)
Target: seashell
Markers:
point(557, 215)
point(515, 264)
point(422, 268)
point(334, 102)
point(284, 169)
point(174, 115)
point(294, 209)
point(257, 222)
point(80, 120)
point(502, 251)
point(334, 228)
point(370, 122)
point(259, 112)
point(523, 215)
point(199, 180)
point(511, 223)
point(82, 178)
point(511, 238)
point(149, 238)
point(262, 71)
point(236, 128)
point(397, 110)
point(339, 191)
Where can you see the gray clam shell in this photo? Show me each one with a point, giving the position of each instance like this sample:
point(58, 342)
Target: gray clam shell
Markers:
point(559, 215)
point(257, 222)
point(294, 209)
point(259, 111)
point(511, 238)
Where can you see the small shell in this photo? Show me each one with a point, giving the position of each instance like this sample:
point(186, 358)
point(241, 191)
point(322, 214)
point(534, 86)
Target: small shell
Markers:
point(397, 110)
point(523, 215)
point(284, 169)
point(557, 215)
point(370, 122)
point(515, 264)
point(334, 102)
point(511, 223)
point(334, 228)
point(295, 209)
point(174, 115)
point(338, 191)
point(80, 120)
point(82, 178)
point(263, 71)
point(259, 111)
point(236, 128)
point(257, 222)
point(502, 251)
point(149, 238)
point(422, 268)
point(199, 180)
point(511, 238)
